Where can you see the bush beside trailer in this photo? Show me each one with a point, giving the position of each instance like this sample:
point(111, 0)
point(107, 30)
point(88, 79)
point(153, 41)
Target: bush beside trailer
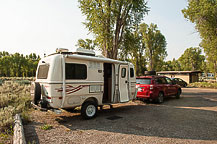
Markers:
point(71, 79)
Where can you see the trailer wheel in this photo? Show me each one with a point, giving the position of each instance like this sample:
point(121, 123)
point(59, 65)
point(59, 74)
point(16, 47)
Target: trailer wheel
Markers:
point(36, 92)
point(89, 110)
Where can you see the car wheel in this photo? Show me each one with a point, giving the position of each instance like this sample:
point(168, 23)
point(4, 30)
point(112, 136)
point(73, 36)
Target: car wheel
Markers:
point(89, 110)
point(178, 94)
point(160, 98)
point(36, 92)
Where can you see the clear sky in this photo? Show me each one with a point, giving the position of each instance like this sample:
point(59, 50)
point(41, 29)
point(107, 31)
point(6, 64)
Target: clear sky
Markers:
point(41, 26)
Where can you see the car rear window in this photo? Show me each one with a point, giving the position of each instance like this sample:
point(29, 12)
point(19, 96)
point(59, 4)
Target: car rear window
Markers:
point(43, 71)
point(143, 81)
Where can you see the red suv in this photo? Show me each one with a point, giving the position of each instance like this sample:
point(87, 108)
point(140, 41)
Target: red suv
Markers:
point(156, 88)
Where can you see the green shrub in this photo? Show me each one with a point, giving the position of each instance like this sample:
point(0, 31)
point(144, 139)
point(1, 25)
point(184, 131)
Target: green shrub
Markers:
point(46, 127)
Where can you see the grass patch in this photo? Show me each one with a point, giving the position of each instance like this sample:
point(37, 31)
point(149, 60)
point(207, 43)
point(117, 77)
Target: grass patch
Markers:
point(46, 127)
point(204, 85)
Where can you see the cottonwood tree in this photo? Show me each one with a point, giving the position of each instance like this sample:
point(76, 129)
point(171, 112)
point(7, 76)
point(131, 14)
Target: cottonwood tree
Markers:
point(192, 59)
point(155, 46)
point(173, 65)
point(18, 65)
point(108, 20)
point(203, 13)
point(86, 44)
point(132, 49)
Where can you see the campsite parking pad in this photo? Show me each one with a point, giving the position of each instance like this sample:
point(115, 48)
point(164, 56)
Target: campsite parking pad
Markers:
point(190, 119)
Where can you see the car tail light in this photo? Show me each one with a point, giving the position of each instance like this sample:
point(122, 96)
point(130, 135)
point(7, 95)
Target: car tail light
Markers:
point(151, 87)
point(140, 89)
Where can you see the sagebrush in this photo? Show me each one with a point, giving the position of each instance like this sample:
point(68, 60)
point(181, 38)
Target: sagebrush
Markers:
point(14, 98)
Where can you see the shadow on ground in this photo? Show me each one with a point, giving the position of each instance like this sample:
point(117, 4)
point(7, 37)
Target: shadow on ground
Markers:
point(175, 118)
point(150, 120)
point(30, 133)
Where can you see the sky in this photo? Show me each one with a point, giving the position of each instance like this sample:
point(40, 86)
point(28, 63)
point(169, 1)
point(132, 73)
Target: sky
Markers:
point(41, 26)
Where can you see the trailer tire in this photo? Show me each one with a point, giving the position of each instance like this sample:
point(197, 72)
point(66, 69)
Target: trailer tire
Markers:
point(89, 110)
point(36, 92)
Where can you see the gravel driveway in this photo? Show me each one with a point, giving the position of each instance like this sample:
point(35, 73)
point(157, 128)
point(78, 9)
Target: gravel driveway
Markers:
point(190, 119)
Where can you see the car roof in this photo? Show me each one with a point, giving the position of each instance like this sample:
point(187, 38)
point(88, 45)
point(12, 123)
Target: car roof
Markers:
point(150, 76)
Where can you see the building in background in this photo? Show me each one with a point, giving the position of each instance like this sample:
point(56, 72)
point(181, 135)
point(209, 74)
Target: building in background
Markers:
point(188, 76)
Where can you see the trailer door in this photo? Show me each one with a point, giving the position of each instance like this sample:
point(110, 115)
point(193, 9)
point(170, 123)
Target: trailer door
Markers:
point(123, 83)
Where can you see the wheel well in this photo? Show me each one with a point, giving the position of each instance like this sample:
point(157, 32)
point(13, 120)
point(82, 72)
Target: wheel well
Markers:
point(93, 99)
point(180, 90)
point(161, 92)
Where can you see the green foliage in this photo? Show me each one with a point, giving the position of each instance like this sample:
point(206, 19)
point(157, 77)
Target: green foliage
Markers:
point(192, 59)
point(173, 65)
point(132, 49)
point(155, 45)
point(109, 19)
point(18, 65)
point(203, 85)
point(144, 44)
point(46, 127)
point(86, 44)
point(203, 14)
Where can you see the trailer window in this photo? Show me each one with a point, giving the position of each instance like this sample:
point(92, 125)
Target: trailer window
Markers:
point(43, 71)
point(76, 71)
point(123, 72)
point(131, 72)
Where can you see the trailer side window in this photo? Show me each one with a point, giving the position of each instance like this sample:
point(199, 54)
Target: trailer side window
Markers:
point(43, 71)
point(76, 71)
point(131, 72)
point(123, 72)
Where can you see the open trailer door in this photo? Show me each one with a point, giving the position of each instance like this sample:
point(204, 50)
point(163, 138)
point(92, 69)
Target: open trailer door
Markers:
point(123, 83)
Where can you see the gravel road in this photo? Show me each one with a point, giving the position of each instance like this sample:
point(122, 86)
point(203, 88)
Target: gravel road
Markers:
point(190, 119)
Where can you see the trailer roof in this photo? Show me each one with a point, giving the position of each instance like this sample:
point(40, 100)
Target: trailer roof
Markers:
point(95, 58)
point(75, 55)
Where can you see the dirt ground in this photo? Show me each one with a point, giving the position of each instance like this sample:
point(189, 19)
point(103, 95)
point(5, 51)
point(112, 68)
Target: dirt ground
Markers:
point(190, 119)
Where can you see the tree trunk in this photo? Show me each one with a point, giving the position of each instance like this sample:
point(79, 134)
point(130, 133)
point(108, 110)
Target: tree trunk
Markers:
point(151, 60)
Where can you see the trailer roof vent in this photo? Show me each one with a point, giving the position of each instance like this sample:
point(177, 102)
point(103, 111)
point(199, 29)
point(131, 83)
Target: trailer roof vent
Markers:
point(62, 50)
point(83, 51)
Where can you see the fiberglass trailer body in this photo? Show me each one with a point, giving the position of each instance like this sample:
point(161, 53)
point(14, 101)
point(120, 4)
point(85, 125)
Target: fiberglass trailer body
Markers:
point(71, 79)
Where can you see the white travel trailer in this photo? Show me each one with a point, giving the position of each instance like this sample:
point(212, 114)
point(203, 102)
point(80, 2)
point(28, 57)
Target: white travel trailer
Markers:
point(71, 79)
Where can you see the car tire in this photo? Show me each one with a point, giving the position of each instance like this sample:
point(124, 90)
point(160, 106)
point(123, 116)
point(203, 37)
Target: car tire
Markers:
point(36, 92)
point(178, 93)
point(89, 110)
point(160, 98)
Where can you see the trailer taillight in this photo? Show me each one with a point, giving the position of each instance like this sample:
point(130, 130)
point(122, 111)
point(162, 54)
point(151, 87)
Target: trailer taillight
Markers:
point(48, 97)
